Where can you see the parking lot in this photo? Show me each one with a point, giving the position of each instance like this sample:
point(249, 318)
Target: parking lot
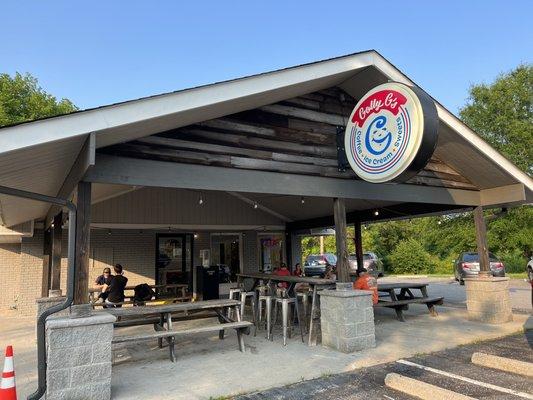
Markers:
point(451, 370)
point(455, 294)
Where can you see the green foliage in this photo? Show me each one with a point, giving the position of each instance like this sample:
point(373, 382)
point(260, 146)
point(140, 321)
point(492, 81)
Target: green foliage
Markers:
point(502, 113)
point(22, 99)
point(411, 257)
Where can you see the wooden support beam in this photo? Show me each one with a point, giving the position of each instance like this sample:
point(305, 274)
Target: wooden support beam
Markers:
point(339, 213)
point(84, 162)
point(57, 239)
point(481, 239)
point(150, 173)
point(358, 239)
point(83, 232)
point(47, 254)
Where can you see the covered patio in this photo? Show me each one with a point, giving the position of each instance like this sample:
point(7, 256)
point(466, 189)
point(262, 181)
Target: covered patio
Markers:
point(228, 174)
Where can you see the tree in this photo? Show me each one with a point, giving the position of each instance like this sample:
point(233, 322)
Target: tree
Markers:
point(502, 113)
point(22, 99)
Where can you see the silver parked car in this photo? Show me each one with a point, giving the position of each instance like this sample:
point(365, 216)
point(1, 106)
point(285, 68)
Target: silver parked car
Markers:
point(316, 264)
point(467, 265)
point(371, 262)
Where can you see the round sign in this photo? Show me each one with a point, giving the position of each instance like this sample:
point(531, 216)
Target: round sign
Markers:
point(392, 133)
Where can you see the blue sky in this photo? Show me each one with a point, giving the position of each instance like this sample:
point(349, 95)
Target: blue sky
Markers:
point(101, 52)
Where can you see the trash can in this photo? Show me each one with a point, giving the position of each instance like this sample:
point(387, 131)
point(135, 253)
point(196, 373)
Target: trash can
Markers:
point(207, 282)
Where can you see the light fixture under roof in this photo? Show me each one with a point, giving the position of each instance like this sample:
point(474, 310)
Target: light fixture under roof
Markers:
point(376, 213)
point(256, 205)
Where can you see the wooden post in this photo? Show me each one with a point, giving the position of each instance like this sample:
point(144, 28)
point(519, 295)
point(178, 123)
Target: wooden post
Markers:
point(83, 233)
point(481, 238)
point(321, 239)
point(57, 238)
point(339, 214)
point(358, 238)
point(47, 251)
point(288, 249)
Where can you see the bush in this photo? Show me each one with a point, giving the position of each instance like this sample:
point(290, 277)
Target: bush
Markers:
point(514, 261)
point(410, 257)
point(443, 267)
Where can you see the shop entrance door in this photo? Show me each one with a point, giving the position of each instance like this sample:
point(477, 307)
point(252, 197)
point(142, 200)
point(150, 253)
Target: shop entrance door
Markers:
point(174, 258)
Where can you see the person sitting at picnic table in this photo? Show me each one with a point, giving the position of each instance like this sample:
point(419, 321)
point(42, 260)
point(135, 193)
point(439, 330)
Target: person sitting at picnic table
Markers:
point(365, 281)
point(297, 270)
point(116, 288)
point(102, 283)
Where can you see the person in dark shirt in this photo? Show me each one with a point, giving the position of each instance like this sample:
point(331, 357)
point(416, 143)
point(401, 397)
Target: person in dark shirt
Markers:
point(115, 291)
point(102, 283)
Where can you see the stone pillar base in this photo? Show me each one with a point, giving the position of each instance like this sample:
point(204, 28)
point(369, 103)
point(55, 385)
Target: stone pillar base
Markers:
point(54, 293)
point(347, 319)
point(45, 303)
point(78, 355)
point(487, 300)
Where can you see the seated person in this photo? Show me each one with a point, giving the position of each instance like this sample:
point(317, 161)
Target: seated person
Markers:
point(331, 273)
point(283, 271)
point(365, 281)
point(298, 270)
point(116, 288)
point(102, 283)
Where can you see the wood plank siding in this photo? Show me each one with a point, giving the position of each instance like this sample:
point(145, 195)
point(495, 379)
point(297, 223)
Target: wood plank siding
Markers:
point(296, 135)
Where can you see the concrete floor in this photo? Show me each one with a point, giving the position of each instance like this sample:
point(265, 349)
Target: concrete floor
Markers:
point(207, 367)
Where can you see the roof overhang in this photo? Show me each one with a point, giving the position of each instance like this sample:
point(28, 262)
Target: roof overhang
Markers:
point(39, 155)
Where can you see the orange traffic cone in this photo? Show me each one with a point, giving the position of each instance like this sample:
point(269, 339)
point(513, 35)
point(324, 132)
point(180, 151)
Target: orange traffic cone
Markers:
point(8, 390)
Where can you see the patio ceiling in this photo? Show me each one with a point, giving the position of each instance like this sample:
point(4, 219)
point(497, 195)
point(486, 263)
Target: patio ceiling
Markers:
point(38, 155)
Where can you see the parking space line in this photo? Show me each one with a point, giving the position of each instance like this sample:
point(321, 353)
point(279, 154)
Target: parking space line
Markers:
point(464, 379)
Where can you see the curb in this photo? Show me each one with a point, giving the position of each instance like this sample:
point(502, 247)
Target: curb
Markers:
point(421, 390)
point(503, 364)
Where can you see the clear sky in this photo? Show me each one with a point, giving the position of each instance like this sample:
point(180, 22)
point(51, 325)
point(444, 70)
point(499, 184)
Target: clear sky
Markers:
point(101, 52)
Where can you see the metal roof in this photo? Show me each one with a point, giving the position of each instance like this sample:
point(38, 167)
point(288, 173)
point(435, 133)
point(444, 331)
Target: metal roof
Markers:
point(38, 155)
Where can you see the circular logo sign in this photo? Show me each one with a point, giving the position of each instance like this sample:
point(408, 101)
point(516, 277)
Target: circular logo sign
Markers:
point(391, 134)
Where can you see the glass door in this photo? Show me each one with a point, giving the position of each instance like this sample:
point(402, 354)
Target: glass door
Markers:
point(173, 258)
point(271, 252)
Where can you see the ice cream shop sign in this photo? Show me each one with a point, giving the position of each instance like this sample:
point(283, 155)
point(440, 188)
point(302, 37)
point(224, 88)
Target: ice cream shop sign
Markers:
point(391, 134)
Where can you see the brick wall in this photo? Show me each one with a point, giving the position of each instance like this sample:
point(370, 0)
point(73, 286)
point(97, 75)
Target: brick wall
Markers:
point(21, 264)
point(9, 274)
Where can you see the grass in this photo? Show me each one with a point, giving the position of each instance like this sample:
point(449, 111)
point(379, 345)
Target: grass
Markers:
point(517, 275)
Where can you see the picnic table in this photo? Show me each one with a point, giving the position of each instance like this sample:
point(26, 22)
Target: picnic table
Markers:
point(178, 290)
point(400, 300)
point(315, 284)
point(165, 329)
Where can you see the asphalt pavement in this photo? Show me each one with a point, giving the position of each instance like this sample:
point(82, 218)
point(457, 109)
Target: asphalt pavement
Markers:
point(453, 364)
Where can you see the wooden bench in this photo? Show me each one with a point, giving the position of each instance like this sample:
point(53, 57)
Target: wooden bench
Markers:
point(242, 327)
point(400, 305)
point(162, 318)
point(152, 301)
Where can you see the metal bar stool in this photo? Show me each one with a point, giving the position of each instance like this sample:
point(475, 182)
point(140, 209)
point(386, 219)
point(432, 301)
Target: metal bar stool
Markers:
point(267, 299)
point(304, 295)
point(253, 297)
point(234, 294)
point(286, 322)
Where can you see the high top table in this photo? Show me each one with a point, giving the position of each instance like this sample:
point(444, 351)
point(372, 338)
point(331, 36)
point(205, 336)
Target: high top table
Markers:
point(315, 284)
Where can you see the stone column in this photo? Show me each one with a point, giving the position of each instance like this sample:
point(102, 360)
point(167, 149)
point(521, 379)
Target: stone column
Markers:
point(78, 354)
point(45, 303)
point(487, 299)
point(347, 318)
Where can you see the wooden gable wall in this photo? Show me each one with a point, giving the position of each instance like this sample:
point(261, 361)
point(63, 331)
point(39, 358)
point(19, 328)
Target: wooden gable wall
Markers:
point(294, 136)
